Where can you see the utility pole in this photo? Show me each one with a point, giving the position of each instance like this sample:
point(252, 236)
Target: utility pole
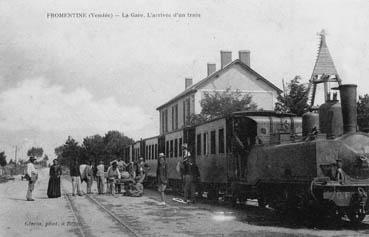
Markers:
point(15, 155)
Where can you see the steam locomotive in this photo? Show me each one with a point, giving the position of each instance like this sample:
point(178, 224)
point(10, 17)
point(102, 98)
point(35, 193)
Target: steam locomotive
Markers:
point(317, 162)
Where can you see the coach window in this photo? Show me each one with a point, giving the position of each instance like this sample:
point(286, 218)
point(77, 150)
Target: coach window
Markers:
point(171, 148)
point(167, 149)
point(221, 140)
point(156, 151)
point(198, 144)
point(153, 151)
point(176, 147)
point(212, 142)
point(205, 143)
point(150, 152)
point(180, 147)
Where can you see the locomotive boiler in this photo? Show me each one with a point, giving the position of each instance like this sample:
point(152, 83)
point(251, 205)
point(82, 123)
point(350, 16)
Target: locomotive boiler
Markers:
point(325, 171)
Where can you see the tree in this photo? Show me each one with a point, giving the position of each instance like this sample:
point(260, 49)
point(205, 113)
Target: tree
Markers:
point(35, 152)
point(2, 159)
point(295, 98)
point(46, 158)
point(115, 142)
point(363, 112)
point(69, 152)
point(215, 104)
point(93, 148)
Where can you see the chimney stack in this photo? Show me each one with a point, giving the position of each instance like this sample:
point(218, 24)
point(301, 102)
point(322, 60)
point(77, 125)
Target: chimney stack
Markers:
point(225, 58)
point(188, 82)
point(349, 110)
point(211, 68)
point(244, 56)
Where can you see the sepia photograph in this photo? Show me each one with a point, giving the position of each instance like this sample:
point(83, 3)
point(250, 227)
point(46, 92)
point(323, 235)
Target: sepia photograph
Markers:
point(184, 118)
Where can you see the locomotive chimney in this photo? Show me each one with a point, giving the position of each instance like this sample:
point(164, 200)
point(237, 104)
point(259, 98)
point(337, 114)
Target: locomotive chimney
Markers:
point(348, 103)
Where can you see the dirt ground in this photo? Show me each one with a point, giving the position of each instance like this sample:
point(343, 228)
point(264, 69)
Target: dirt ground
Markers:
point(144, 215)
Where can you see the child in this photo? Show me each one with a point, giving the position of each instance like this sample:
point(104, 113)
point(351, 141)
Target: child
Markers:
point(162, 176)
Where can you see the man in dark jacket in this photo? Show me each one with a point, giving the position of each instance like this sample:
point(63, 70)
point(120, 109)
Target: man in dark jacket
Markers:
point(190, 174)
point(76, 177)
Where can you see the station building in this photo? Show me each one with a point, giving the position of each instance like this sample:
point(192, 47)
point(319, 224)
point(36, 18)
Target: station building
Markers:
point(234, 74)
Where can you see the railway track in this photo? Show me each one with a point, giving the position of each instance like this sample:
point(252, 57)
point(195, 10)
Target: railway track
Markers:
point(82, 227)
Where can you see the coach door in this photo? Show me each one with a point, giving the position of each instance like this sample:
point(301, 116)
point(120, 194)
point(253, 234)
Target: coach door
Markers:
point(189, 138)
point(244, 136)
point(161, 145)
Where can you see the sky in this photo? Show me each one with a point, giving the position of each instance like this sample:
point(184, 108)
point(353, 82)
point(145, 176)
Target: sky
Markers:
point(78, 77)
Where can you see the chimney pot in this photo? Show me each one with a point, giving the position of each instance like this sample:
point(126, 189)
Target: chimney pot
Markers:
point(225, 58)
point(188, 82)
point(244, 56)
point(211, 68)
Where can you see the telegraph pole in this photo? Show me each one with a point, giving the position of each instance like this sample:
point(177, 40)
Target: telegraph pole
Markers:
point(15, 155)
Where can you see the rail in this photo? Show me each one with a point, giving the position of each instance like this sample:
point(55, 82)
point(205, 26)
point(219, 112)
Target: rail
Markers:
point(75, 212)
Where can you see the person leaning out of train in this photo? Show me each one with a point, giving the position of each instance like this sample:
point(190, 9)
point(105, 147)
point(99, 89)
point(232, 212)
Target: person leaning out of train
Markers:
point(112, 175)
point(100, 176)
point(162, 176)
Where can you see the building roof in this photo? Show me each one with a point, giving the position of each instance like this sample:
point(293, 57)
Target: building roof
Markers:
point(196, 86)
point(324, 63)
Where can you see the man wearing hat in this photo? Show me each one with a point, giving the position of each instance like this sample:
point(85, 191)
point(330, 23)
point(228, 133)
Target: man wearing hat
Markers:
point(32, 178)
point(113, 174)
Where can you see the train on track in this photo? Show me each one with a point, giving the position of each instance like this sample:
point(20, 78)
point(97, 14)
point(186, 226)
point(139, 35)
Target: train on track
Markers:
point(314, 163)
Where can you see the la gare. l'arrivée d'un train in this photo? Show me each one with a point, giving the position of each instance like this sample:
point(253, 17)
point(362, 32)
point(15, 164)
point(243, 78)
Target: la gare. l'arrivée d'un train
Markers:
point(262, 155)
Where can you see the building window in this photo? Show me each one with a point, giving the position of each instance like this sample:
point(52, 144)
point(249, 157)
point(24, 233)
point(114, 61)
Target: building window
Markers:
point(156, 151)
point(198, 145)
point(172, 117)
point(184, 112)
point(166, 120)
point(212, 142)
point(180, 147)
point(171, 148)
point(175, 147)
point(176, 116)
point(205, 143)
point(221, 140)
point(188, 109)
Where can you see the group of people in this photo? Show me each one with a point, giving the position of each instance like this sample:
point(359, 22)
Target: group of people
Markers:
point(187, 169)
point(119, 174)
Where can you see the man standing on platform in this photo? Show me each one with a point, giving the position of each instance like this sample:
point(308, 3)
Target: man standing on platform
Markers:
point(31, 176)
point(76, 177)
point(100, 176)
point(190, 173)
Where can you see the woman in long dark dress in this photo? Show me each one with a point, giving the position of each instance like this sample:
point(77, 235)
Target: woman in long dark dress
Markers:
point(53, 190)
